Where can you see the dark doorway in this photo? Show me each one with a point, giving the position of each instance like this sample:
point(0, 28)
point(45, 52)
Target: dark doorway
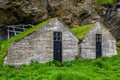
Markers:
point(58, 46)
point(98, 45)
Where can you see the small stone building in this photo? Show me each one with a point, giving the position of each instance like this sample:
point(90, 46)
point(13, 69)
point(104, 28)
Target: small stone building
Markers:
point(97, 42)
point(54, 41)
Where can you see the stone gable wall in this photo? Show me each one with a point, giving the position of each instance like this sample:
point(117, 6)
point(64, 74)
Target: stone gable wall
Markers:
point(88, 45)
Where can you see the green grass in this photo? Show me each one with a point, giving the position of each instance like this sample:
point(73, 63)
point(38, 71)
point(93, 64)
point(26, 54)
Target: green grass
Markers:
point(91, 69)
point(80, 31)
point(4, 45)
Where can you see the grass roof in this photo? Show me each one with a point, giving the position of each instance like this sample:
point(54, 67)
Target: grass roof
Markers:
point(80, 31)
point(4, 45)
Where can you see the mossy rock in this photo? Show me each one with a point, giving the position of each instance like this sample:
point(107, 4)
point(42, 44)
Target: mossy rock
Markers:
point(118, 44)
point(99, 3)
point(2, 17)
point(16, 4)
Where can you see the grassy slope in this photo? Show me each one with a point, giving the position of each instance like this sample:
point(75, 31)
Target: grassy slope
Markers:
point(80, 31)
point(96, 69)
point(4, 45)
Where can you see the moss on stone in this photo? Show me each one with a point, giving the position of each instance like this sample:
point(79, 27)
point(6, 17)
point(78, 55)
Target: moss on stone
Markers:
point(99, 3)
point(118, 44)
point(102, 2)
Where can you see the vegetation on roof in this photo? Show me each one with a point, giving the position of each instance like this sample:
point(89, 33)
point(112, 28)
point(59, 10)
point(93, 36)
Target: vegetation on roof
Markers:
point(4, 45)
point(80, 31)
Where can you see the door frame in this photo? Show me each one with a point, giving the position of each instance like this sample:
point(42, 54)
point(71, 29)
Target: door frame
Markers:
point(59, 56)
point(98, 45)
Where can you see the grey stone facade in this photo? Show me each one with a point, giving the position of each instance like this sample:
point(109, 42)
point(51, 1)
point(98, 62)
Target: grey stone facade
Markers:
point(38, 46)
point(88, 44)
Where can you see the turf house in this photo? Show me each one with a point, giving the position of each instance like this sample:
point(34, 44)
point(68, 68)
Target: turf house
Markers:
point(97, 42)
point(52, 40)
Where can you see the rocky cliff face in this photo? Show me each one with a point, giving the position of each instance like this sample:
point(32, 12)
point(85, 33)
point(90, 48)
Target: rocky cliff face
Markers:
point(71, 12)
point(112, 19)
